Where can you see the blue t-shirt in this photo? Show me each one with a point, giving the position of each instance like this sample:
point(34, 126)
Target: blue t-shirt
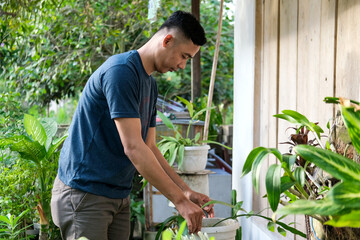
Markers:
point(92, 158)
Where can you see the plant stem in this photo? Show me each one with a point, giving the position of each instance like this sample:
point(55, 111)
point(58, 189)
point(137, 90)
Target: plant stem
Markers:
point(296, 193)
point(318, 140)
point(297, 185)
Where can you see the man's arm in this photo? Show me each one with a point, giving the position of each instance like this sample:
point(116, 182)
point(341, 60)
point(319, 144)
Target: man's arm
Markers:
point(148, 166)
point(195, 197)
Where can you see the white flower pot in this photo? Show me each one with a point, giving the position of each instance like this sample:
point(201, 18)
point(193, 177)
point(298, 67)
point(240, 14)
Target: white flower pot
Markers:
point(195, 158)
point(225, 230)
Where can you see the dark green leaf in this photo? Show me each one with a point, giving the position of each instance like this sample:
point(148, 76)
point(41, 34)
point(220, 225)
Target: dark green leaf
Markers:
point(351, 219)
point(308, 207)
point(352, 123)
point(281, 231)
point(346, 194)
point(273, 185)
point(256, 167)
point(250, 159)
point(286, 183)
point(335, 164)
point(55, 146)
point(188, 104)
point(299, 175)
point(301, 119)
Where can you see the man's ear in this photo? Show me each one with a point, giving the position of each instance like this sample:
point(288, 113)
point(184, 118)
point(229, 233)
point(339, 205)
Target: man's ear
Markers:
point(167, 39)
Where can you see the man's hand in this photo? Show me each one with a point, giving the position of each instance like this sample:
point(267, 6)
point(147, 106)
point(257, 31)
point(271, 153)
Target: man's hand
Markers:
point(191, 213)
point(200, 199)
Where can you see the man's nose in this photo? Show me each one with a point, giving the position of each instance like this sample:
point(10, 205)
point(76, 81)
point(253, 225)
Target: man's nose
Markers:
point(182, 64)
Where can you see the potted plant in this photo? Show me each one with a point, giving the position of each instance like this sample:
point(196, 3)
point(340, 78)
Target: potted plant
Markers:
point(332, 198)
point(220, 228)
point(39, 148)
point(189, 153)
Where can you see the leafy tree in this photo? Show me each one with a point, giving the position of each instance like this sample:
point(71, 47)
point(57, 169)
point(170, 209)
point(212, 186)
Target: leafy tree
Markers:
point(51, 47)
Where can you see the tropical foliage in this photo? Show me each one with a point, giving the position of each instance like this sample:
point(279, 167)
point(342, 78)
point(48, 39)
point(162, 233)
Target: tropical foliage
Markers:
point(305, 188)
point(39, 148)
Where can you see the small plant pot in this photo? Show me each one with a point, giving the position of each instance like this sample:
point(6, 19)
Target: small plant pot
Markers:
point(195, 158)
point(225, 230)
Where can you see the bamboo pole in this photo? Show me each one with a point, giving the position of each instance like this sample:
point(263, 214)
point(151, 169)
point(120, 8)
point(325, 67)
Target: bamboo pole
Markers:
point(213, 73)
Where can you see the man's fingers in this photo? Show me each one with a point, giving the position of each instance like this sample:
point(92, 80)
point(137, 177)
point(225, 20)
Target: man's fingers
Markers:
point(190, 226)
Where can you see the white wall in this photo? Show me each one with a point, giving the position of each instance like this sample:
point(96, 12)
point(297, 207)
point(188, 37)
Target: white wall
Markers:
point(244, 75)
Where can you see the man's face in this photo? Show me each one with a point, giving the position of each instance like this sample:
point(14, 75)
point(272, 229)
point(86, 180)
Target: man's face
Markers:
point(175, 55)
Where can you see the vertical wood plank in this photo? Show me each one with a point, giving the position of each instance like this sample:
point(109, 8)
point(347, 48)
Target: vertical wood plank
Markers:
point(268, 88)
point(348, 51)
point(308, 100)
point(287, 65)
point(287, 74)
point(315, 60)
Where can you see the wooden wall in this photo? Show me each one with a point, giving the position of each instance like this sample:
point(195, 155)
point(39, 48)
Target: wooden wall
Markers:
point(305, 51)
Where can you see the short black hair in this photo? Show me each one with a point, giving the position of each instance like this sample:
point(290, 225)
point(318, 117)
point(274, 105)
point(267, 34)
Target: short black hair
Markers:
point(188, 24)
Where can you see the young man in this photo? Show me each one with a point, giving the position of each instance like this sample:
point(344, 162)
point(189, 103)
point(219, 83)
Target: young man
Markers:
point(113, 133)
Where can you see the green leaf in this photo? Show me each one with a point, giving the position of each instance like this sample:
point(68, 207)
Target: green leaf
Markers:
point(292, 197)
point(256, 166)
point(180, 155)
point(213, 142)
point(250, 159)
point(289, 159)
point(301, 119)
point(27, 148)
point(165, 147)
point(181, 230)
point(21, 215)
point(197, 137)
point(173, 154)
point(271, 226)
point(168, 138)
point(308, 207)
point(4, 219)
point(201, 112)
point(281, 231)
point(167, 235)
point(299, 175)
point(286, 117)
point(34, 128)
point(55, 146)
point(273, 185)
point(346, 194)
point(189, 106)
point(351, 219)
point(166, 120)
point(283, 225)
point(352, 123)
point(50, 127)
point(286, 183)
point(338, 166)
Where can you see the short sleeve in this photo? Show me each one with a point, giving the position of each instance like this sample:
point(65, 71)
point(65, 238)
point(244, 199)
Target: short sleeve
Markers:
point(120, 86)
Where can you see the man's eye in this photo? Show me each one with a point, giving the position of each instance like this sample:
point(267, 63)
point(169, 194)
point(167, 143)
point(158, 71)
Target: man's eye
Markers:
point(184, 57)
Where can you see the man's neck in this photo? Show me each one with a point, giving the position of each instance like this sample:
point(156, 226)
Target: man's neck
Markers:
point(146, 55)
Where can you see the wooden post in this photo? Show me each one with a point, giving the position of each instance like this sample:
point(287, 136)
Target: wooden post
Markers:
point(195, 62)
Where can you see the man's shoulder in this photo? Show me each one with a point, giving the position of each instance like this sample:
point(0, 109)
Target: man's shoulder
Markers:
point(122, 58)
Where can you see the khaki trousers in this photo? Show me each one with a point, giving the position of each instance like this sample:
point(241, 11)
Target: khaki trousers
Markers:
point(80, 214)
